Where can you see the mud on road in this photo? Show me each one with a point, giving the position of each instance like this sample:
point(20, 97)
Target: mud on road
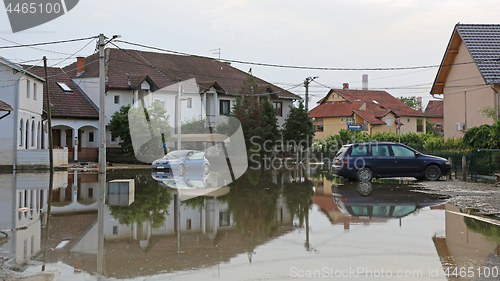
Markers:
point(478, 198)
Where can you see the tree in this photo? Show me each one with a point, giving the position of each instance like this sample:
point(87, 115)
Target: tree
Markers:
point(149, 124)
point(298, 126)
point(271, 130)
point(412, 102)
point(489, 111)
point(248, 110)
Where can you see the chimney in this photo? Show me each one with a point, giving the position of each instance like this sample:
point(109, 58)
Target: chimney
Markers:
point(365, 82)
point(345, 86)
point(80, 66)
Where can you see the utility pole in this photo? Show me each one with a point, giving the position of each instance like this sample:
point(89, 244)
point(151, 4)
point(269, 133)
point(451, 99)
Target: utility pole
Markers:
point(49, 117)
point(102, 115)
point(306, 84)
point(102, 161)
point(179, 123)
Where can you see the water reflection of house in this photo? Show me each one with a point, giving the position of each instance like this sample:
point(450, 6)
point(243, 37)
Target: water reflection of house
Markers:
point(462, 247)
point(22, 204)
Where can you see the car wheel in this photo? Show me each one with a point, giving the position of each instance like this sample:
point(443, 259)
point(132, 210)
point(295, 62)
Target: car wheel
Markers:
point(180, 170)
point(206, 169)
point(364, 174)
point(432, 173)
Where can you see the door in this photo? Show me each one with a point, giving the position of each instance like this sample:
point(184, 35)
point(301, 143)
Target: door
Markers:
point(407, 163)
point(194, 163)
point(382, 161)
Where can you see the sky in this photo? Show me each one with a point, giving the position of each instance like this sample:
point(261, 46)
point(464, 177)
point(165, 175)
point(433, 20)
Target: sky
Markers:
point(355, 34)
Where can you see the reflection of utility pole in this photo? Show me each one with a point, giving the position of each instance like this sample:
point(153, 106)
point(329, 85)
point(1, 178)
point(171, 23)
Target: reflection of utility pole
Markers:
point(47, 219)
point(308, 247)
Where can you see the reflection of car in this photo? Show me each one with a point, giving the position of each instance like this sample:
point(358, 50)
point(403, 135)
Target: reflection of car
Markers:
point(181, 162)
point(376, 200)
point(364, 161)
point(189, 181)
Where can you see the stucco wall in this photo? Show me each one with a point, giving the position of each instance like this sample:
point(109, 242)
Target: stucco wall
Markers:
point(464, 77)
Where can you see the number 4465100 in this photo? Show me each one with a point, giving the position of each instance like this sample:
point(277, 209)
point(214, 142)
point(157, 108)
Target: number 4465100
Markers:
point(471, 272)
point(34, 8)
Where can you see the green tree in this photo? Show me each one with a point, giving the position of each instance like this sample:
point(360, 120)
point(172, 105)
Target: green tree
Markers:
point(489, 111)
point(411, 102)
point(298, 126)
point(271, 130)
point(149, 124)
point(248, 110)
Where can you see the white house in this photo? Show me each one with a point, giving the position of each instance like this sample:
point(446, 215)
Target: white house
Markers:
point(22, 141)
point(75, 118)
point(210, 86)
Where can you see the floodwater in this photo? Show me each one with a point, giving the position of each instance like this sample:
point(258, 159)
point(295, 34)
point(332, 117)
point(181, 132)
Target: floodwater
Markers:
point(267, 225)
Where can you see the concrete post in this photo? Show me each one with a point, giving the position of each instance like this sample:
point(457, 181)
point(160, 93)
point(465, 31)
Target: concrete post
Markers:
point(464, 168)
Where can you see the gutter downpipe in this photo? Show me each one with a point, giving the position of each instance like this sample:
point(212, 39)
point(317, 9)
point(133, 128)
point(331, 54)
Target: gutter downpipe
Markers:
point(496, 99)
point(16, 122)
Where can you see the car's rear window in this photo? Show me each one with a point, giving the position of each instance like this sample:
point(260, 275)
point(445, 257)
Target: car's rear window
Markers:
point(360, 150)
point(341, 152)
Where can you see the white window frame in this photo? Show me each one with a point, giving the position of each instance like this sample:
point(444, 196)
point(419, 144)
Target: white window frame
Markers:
point(114, 99)
point(27, 88)
point(189, 102)
point(34, 91)
point(350, 121)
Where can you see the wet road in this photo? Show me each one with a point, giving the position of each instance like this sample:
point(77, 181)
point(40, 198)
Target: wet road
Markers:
point(266, 225)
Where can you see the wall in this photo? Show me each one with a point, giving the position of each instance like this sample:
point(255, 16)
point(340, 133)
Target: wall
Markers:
point(464, 77)
point(39, 158)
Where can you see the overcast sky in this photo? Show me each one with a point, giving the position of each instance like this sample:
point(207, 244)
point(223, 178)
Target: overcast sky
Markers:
point(322, 33)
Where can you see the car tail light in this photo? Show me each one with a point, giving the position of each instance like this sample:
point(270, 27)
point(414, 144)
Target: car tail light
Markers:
point(340, 162)
point(343, 199)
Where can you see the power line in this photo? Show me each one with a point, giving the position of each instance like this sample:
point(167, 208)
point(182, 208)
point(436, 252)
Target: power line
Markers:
point(46, 43)
point(298, 67)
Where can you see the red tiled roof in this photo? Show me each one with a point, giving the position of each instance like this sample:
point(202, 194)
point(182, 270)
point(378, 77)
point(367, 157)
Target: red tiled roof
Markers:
point(435, 109)
point(369, 117)
point(167, 69)
point(334, 109)
point(5, 106)
point(65, 104)
point(379, 100)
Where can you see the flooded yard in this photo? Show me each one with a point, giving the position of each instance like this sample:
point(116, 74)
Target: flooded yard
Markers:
point(266, 225)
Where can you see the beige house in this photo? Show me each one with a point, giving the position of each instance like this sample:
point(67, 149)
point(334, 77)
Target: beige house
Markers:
point(377, 111)
point(468, 79)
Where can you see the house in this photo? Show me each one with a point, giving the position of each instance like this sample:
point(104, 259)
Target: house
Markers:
point(434, 110)
point(133, 75)
point(23, 140)
point(468, 79)
point(75, 118)
point(377, 111)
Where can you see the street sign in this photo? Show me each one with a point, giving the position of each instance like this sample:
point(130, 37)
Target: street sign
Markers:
point(355, 127)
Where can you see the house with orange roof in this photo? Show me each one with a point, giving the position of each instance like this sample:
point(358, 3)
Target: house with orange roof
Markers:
point(377, 111)
point(435, 111)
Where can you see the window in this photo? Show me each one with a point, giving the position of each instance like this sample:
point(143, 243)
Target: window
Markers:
point(33, 133)
point(350, 120)
point(188, 224)
point(91, 136)
point(115, 230)
point(34, 91)
point(116, 99)
point(21, 132)
point(342, 120)
point(401, 151)
point(388, 121)
point(90, 193)
point(408, 120)
point(28, 88)
point(64, 87)
point(380, 150)
point(224, 107)
point(279, 108)
point(361, 150)
point(189, 102)
point(319, 126)
point(223, 218)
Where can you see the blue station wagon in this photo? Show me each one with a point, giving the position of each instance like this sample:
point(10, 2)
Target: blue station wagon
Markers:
point(364, 161)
